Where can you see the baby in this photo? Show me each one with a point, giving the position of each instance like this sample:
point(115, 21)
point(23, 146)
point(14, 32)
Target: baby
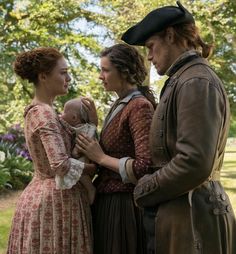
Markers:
point(76, 118)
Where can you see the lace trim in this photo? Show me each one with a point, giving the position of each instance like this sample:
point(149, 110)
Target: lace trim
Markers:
point(72, 176)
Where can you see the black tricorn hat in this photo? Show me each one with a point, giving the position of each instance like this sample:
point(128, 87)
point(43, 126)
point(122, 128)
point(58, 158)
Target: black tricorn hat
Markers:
point(156, 21)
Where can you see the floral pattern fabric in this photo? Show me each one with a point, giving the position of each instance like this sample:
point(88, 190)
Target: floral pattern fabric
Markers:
point(48, 220)
point(77, 166)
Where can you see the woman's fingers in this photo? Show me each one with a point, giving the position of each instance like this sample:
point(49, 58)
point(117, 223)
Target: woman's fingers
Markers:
point(84, 141)
point(83, 138)
point(90, 147)
point(88, 100)
point(88, 103)
point(91, 109)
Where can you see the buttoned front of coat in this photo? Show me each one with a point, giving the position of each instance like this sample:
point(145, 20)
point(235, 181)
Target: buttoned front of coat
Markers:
point(188, 136)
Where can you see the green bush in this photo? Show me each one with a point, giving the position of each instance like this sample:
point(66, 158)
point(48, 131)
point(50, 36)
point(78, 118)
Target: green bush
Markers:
point(16, 168)
point(5, 175)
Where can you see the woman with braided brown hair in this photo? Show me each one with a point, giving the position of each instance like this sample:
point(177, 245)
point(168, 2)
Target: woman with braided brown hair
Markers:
point(123, 154)
point(47, 219)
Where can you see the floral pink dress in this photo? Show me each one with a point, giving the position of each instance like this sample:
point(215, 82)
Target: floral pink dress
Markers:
point(48, 220)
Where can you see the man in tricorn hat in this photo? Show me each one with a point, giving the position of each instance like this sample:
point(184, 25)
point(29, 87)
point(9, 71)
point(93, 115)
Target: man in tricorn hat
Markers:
point(186, 208)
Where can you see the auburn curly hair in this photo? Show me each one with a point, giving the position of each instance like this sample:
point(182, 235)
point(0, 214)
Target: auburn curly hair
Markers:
point(28, 65)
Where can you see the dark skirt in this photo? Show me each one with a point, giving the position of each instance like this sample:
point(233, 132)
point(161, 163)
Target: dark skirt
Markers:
point(118, 225)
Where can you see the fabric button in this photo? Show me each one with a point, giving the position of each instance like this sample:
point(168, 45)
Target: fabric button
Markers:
point(152, 186)
point(161, 134)
point(223, 197)
point(147, 188)
point(161, 117)
point(216, 211)
point(228, 208)
point(198, 246)
point(211, 199)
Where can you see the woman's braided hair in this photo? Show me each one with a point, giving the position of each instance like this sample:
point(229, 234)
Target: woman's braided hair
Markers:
point(130, 64)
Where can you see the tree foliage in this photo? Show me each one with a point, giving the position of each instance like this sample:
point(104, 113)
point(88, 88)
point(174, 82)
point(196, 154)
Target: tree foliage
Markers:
point(30, 24)
point(81, 28)
point(216, 20)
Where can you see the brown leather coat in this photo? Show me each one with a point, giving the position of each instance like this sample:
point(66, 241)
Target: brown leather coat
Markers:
point(188, 137)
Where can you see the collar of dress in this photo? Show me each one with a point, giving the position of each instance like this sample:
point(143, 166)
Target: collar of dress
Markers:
point(118, 105)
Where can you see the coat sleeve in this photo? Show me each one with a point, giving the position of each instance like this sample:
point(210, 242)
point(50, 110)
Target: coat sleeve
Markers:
point(200, 114)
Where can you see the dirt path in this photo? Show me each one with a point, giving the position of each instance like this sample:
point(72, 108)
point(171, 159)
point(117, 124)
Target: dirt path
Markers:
point(8, 199)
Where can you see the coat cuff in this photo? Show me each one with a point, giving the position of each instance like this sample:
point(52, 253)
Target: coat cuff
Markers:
point(145, 191)
point(71, 177)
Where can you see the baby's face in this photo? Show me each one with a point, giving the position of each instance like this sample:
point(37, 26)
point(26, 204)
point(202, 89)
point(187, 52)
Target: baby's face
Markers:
point(70, 116)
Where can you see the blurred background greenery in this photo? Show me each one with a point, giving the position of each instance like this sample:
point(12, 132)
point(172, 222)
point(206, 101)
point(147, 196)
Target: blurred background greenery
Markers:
point(81, 29)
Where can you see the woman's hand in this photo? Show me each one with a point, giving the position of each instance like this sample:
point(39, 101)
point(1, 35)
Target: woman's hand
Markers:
point(91, 109)
point(91, 148)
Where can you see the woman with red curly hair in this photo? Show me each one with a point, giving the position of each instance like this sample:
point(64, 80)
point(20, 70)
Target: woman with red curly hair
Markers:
point(49, 220)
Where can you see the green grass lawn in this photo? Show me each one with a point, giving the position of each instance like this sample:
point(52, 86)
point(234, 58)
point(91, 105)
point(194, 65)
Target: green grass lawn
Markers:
point(228, 178)
point(5, 223)
point(228, 175)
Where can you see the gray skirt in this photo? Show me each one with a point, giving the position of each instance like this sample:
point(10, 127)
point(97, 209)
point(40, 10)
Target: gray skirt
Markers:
point(117, 225)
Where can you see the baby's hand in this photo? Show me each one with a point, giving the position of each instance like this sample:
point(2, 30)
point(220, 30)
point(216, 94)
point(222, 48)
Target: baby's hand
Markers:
point(76, 153)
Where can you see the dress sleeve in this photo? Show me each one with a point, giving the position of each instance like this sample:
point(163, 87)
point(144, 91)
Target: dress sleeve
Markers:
point(72, 176)
point(45, 123)
point(140, 119)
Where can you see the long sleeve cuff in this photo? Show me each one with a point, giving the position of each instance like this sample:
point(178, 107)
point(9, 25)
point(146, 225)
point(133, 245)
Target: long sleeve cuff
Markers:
point(72, 176)
point(122, 169)
point(126, 170)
